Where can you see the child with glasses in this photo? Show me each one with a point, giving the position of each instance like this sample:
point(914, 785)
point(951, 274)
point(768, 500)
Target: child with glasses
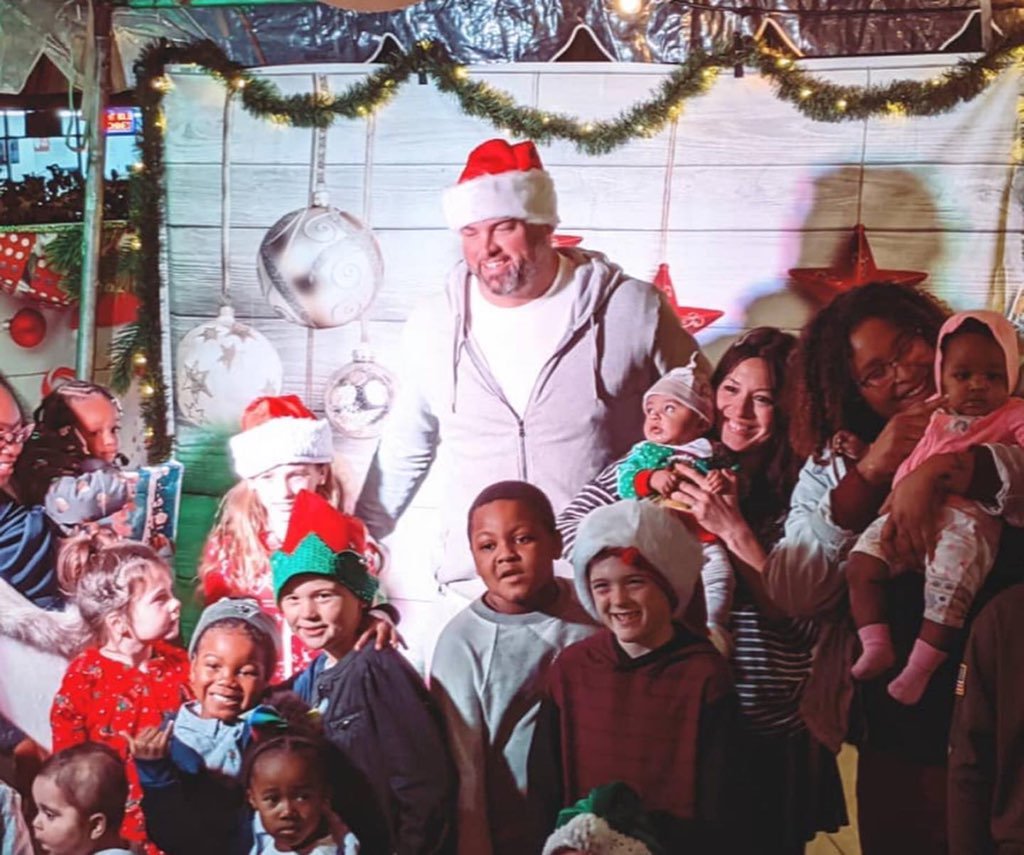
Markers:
point(976, 369)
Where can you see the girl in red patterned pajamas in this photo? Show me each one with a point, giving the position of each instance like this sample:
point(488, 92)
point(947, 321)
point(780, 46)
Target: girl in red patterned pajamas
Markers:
point(132, 674)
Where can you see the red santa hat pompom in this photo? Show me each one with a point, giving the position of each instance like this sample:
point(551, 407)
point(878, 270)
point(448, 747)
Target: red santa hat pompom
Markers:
point(279, 430)
point(502, 180)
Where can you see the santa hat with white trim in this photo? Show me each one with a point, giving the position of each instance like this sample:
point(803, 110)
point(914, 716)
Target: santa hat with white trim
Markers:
point(502, 180)
point(279, 430)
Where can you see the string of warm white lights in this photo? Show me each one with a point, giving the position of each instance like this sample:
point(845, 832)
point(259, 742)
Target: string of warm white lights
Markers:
point(816, 98)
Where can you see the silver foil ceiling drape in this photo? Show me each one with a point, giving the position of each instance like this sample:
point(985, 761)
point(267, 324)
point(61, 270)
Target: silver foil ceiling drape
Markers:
point(484, 31)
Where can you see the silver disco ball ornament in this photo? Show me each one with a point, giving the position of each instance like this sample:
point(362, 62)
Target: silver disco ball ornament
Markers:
point(320, 267)
point(359, 396)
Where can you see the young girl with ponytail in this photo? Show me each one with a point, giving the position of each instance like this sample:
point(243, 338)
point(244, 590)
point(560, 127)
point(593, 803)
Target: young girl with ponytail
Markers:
point(130, 675)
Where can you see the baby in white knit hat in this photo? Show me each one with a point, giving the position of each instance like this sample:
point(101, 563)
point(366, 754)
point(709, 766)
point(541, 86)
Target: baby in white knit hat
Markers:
point(678, 412)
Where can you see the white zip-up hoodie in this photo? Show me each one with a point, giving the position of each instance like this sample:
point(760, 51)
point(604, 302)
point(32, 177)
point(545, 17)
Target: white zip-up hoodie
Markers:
point(585, 409)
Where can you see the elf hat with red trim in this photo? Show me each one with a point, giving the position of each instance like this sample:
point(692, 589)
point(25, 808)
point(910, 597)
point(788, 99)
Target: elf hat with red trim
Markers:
point(502, 180)
point(322, 541)
point(277, 430)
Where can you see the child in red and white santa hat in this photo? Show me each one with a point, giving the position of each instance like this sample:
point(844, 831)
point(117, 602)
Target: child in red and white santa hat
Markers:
point(282, 449)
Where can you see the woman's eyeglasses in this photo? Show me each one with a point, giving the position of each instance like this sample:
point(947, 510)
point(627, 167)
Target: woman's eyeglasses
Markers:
point(17, 435)
point(884, 373)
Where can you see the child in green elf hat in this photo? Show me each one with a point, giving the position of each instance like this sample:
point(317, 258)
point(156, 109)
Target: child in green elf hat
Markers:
point(375, 708)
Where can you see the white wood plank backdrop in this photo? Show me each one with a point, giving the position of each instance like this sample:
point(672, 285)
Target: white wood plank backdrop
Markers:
point(756, 189)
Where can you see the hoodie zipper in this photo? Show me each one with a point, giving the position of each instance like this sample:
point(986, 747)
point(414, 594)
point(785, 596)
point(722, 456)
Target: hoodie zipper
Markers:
point(496, 390)
point(522, 451)
point(463, 341)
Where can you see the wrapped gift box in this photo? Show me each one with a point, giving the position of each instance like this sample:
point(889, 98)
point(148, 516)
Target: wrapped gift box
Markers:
point(154, 519)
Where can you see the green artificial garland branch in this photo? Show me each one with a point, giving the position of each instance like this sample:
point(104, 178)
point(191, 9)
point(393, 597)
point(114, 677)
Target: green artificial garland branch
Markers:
point(139, 346)
point(64, 255)
point(147, 205)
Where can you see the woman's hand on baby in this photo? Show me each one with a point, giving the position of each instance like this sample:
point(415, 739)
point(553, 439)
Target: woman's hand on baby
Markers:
point(716, 510)
point(909, 534)
point(382, 633)
point(150, 743)
point(897, 439)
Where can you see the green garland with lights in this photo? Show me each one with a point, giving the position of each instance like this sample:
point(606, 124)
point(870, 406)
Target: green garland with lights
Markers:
point(138, 349)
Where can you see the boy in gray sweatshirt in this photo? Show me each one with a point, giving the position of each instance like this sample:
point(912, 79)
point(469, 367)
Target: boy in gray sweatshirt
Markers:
point(491, 661)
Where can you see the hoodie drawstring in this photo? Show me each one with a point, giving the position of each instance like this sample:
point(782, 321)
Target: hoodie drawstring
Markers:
point(597, 335)
point(458, 343)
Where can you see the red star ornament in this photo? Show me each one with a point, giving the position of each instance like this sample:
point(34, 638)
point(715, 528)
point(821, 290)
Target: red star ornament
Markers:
point(691, 318)
point(855, 266)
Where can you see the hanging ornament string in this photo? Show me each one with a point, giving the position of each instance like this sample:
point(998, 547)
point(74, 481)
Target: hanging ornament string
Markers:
point(371, 136)
point(225, 201)
point(318, 158)
point(1015, 309)
point(318, 197)
point(863, 158)
point(692, 318)
point(666, 196)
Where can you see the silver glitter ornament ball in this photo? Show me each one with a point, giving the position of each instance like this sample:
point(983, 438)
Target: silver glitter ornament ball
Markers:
point(319, 267)
point(359, 396)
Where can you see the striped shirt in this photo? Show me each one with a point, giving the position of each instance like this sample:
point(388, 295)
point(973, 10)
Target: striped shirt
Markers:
point(601, 491)
point(771, 662)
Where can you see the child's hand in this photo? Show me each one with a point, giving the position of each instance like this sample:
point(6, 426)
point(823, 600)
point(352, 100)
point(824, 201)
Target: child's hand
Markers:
point(383, 633)
point(151, 743)
point(715, 482)
point(848, 445)
point(665, 481)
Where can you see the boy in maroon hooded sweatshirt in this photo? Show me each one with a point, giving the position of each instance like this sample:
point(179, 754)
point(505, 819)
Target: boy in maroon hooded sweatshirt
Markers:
point(649, 702)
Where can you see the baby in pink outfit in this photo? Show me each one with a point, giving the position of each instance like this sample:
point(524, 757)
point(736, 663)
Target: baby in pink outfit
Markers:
point(976, 367)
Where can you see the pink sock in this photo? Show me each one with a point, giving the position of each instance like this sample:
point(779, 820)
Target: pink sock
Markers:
point(877, 655)
point(908, 687)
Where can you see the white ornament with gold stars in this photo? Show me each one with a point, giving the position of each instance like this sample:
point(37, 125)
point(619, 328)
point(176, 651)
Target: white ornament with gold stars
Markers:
point(222, 365)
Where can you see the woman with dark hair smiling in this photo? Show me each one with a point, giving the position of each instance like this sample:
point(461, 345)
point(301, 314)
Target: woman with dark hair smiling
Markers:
point(795, 786)
point(865, 374)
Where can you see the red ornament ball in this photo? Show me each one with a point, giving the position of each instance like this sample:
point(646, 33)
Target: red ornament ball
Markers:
point(27, 327)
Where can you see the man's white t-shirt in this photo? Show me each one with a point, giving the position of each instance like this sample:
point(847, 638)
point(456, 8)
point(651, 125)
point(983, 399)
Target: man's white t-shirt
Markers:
point(518, 341)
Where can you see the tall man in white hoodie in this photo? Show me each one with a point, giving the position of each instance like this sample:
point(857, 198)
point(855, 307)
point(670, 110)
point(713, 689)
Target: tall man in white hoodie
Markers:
point(530, 366)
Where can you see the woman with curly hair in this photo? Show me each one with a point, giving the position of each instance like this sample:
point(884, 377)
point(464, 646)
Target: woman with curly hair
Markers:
point(865, 395)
